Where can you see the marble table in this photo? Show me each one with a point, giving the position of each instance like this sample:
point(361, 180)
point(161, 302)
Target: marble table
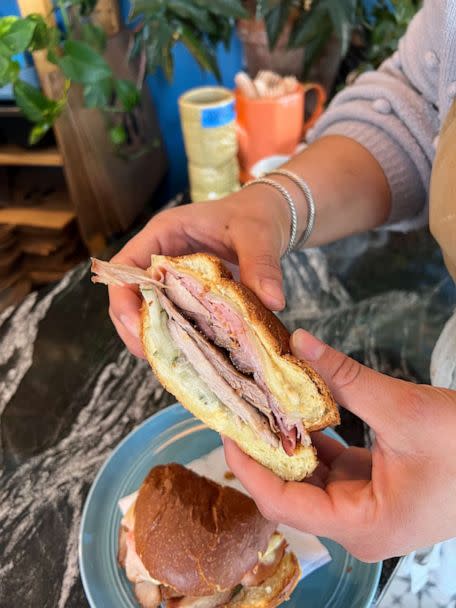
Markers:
point(69, 391)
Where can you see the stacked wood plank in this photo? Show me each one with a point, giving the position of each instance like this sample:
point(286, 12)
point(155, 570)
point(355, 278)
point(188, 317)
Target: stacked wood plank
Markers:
point(39, 236)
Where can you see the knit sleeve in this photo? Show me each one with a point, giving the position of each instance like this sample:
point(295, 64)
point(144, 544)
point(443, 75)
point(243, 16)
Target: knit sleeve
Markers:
point(397, 123)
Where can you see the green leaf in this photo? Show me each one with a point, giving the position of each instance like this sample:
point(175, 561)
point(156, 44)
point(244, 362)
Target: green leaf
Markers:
point(35, 106)
point(153, 55)
point(157, 35)
point(308, 27)
point(225, 8)
point(146, 7)
point(99, 94)
point(128, 94)
point(19, 35)
point(83, 64)
point(5, 51)
point(43, 35)
point(340, 23)
point(315, 47)
point(168, 62)
point(94, 36)
point(38, 132)
point(223, 32)
point(198, 15)
point(87, 6)
point(53, 56)
point(275, 21)
point(118, 135)
point(9, 71)
point(6, 23)
point(203, 55)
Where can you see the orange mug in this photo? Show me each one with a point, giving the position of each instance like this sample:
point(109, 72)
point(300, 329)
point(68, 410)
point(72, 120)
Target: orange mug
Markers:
point(273, 125)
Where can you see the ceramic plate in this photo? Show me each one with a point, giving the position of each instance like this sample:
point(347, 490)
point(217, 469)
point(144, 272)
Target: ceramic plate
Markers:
point(174, 435)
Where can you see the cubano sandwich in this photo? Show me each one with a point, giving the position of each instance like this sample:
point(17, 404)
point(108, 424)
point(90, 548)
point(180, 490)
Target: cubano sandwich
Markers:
point(226, 358)
point(188, 542)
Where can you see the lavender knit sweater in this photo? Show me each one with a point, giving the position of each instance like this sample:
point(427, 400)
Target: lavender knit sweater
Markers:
point(397, 111)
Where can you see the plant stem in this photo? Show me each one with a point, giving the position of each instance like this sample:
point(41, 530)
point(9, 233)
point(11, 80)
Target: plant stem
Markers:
point(65, 16)
point(141, 69)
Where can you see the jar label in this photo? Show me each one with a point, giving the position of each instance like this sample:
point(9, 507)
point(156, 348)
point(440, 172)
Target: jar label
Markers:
point(218, 117)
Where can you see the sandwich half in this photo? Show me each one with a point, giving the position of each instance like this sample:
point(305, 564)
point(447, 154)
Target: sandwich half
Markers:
point(226, 358)
point(188, 542)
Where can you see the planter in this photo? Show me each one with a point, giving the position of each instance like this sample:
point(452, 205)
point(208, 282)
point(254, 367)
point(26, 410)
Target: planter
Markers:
point(283, 60)
point(258, 56)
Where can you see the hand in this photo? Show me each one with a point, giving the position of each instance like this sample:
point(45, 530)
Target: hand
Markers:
point(250, 228)
point(397, 498)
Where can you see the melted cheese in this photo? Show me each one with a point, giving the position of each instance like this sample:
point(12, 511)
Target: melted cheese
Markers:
point(134, 568)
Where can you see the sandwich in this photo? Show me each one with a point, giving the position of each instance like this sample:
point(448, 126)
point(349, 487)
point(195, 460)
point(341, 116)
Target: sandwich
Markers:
point(226, 358)
point(188, 542)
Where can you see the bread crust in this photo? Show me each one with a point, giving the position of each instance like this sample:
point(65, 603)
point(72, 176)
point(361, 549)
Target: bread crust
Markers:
point(274, 590)
point(195, 535)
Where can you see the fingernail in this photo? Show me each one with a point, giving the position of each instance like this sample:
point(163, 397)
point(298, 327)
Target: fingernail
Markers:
point(306, 345)
point(272, 289)
point(130, 325)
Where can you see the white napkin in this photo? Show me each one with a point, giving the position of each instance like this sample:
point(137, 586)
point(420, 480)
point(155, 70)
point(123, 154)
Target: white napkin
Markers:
point(307, 548)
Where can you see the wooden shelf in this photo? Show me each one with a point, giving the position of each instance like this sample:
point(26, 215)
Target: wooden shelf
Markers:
point(45, 217)
point(16, 156)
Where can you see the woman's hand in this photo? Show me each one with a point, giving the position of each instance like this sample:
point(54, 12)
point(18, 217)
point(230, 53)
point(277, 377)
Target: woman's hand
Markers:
point(387, 502)
point(250, 228)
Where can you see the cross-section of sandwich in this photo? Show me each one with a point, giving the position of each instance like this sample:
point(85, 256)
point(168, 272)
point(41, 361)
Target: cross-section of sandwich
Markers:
point(187, 542)
point(226, 358)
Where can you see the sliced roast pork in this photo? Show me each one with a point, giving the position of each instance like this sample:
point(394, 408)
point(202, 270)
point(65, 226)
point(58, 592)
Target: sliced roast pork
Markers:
point(242, 384)
point(219, 386)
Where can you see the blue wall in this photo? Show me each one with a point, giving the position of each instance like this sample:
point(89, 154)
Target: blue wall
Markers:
point(8, 7)
point(187, 74)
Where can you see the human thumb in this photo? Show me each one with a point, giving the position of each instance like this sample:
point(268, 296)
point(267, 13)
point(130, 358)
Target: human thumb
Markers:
point(372, 396)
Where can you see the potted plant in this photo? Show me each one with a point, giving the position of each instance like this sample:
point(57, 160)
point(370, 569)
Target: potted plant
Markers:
point(383, 28)
point(307, 38)
point(200, 25)
point(78, 49)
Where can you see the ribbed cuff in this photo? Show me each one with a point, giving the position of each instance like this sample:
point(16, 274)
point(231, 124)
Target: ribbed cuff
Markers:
point(408, 193)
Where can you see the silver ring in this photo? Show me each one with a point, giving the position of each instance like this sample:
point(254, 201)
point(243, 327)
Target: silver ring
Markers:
point(311, 212)
point(293, 213)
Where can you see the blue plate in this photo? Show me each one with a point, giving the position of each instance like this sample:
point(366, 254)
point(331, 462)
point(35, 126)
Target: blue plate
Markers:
point(174, 435)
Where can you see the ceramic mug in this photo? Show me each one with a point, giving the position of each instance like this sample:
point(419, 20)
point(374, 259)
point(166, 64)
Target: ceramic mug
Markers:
point(273, 125)
point(208, 120)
